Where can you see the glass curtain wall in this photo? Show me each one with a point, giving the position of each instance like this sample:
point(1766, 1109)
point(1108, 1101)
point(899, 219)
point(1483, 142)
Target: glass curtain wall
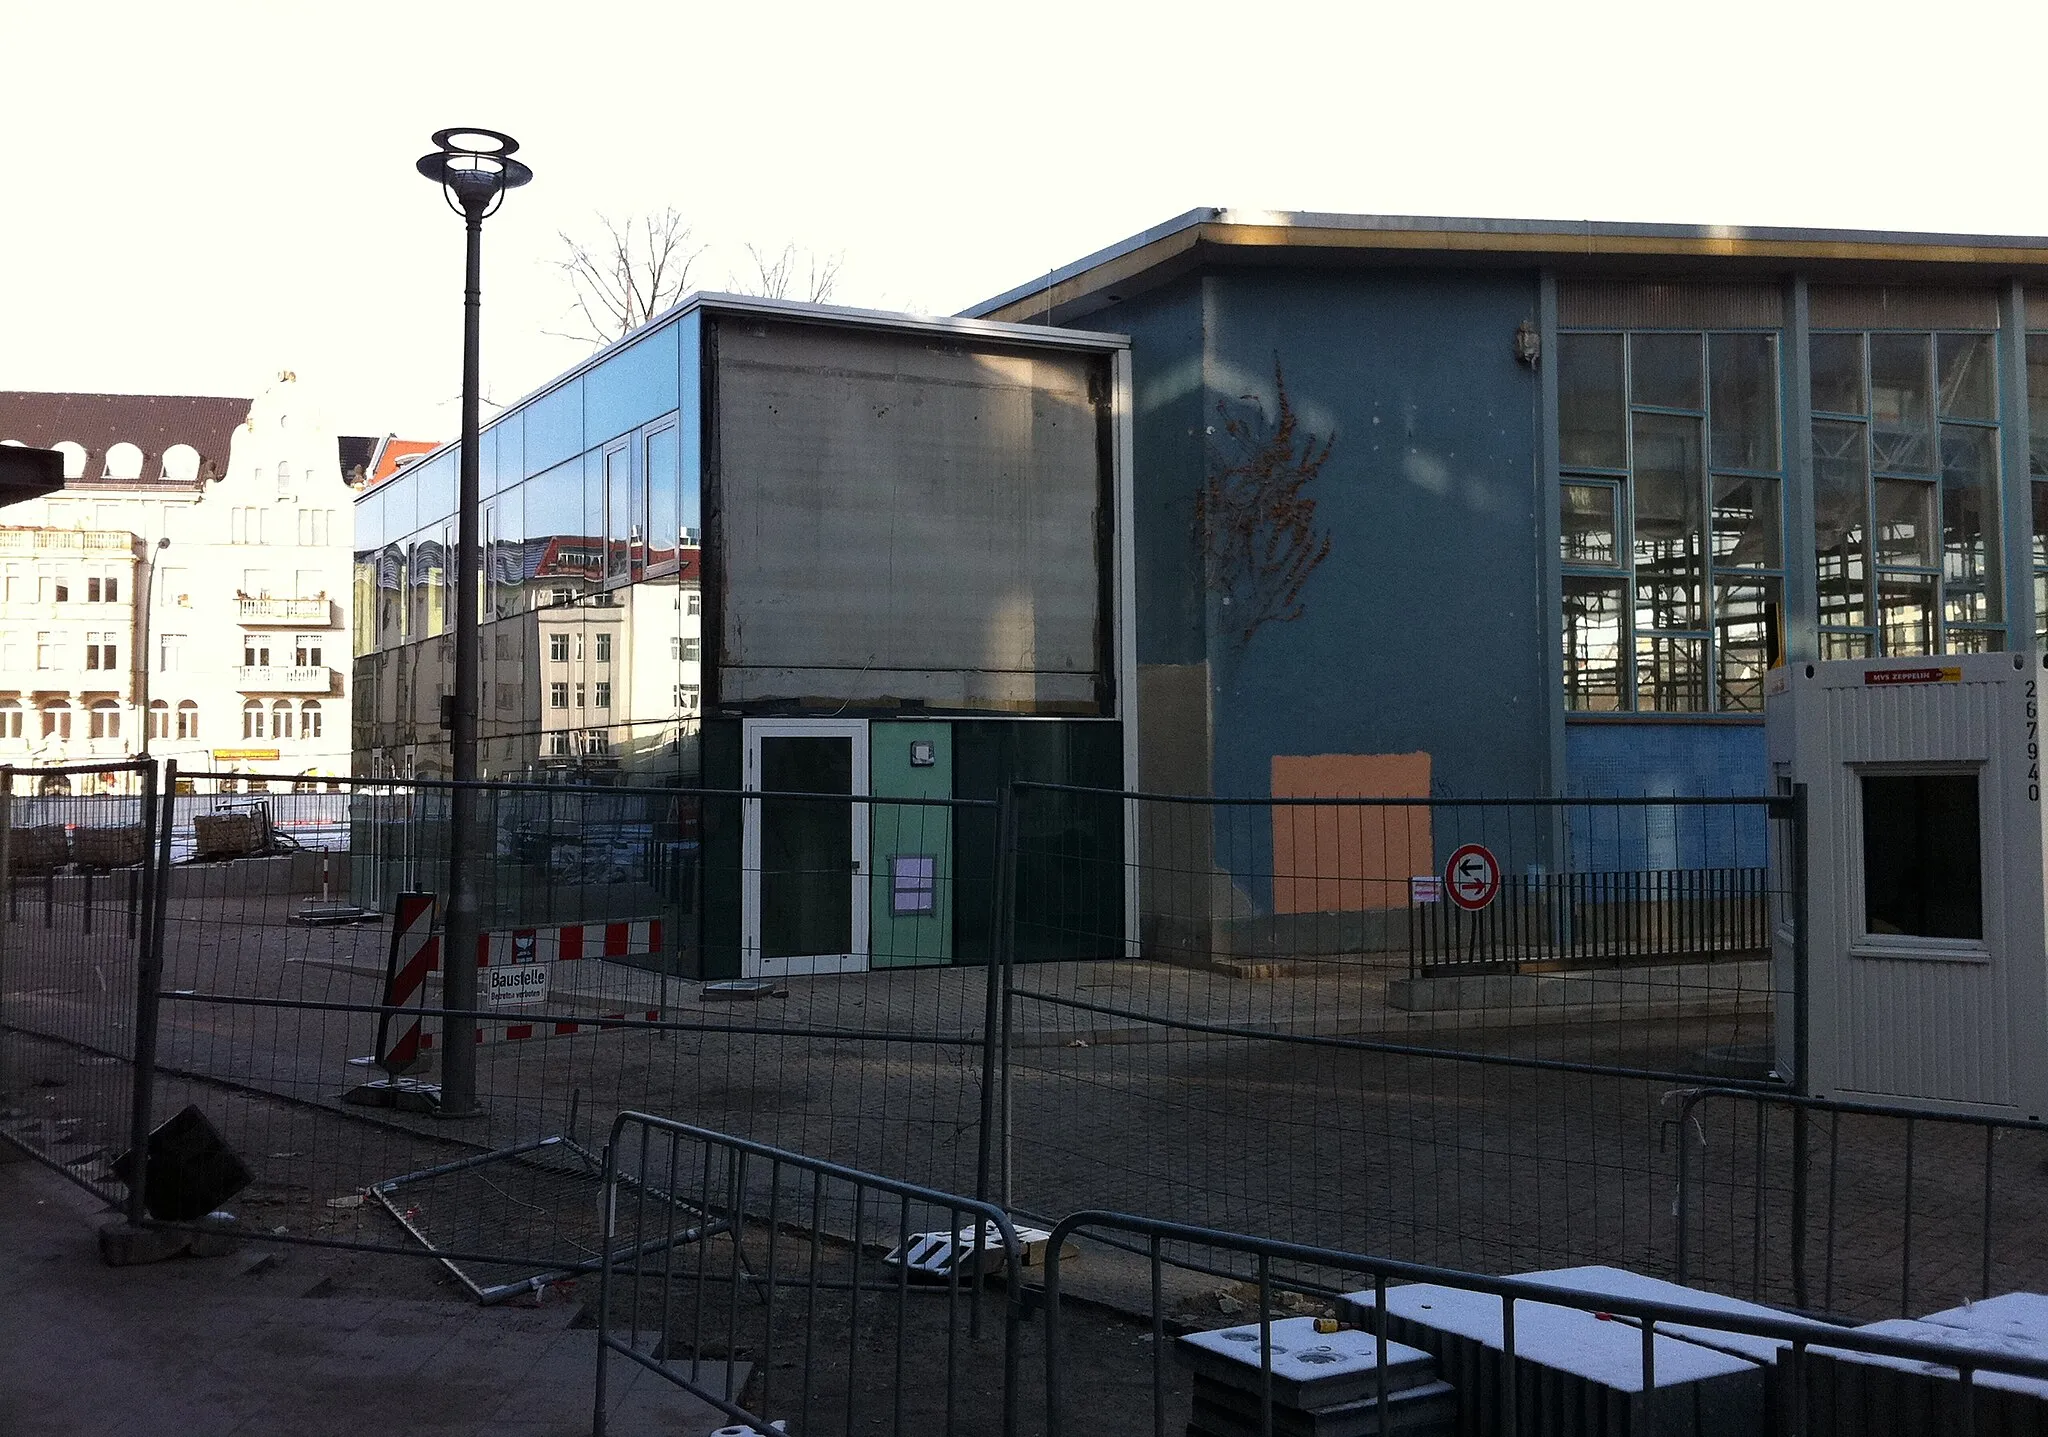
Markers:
point(1905, 480)
point(590, 592)
point(1671, 530)
point(2037, 469)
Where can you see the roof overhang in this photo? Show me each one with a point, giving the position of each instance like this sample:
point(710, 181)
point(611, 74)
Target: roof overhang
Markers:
point(27, 473)
point(1218, 237)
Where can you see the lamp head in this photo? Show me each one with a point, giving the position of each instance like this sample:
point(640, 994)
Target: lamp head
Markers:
point(474, 168)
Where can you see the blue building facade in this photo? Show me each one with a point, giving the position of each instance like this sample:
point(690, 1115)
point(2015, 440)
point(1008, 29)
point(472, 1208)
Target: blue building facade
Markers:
point(1575, 488)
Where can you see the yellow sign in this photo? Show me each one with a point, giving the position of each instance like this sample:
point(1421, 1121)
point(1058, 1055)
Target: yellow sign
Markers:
point(247, 755)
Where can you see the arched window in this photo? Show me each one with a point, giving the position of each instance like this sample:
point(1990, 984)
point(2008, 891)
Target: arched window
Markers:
point(57, 719)
point(284, 479)
point(74, 457)
point(106, 719)
point(252, 719)
point(309, 719)
point(181, 463)
point(159, 719)
point(10, 719)
point(188, 719)
point(124, 461)
point(281, 719)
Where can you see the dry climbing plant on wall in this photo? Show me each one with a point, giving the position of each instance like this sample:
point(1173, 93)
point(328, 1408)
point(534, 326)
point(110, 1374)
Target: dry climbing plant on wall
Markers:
point(1256, 520)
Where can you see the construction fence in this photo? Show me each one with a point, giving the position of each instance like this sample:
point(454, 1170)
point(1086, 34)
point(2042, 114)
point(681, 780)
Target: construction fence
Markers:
point(1221, 1026)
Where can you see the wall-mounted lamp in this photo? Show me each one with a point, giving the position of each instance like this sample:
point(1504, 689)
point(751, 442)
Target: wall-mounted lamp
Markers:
point(1528, 344)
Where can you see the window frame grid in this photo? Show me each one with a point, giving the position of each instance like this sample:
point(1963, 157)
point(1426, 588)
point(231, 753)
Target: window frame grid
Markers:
point(1713, 576)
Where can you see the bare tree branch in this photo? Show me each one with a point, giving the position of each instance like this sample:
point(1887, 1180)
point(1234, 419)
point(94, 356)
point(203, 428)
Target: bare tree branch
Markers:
point(616, 290)
point(774, 277)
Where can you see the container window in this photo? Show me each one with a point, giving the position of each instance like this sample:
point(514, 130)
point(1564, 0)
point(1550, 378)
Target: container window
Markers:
point(1922, 865)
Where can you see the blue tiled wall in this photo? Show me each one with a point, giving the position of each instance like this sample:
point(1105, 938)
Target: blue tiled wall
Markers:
point(1634, 760)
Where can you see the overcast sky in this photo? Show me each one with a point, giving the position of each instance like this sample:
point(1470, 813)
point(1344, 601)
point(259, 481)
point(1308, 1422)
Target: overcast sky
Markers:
point(200, 194)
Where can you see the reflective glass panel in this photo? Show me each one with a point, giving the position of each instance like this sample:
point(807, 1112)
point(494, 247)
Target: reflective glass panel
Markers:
point(2037, 405)
point(1746, 619)
point(1592, 644)
point(1590, 401)
point(1901, 410)
point(1837, 363)
point(554, 426)
point(505, 562)
point(1746, 532)
point(1844, 646)
point(618, 514)
point(1664, 370)
point(1840, 497)
point(1587, 523)
point(1670, 674)
point(664, 516)
point(630, 387)
point(2040, 523)
point(1745, 400)
point(1969, 383)
point(1969, 523)
point(1905, 522)
point(435, 481)
point(1905, 613)
point(1669, 546)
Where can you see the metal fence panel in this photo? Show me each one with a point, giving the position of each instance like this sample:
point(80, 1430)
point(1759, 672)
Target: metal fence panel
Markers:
point(75, 925)
point(1273, 1060)
point(717, 1247)
point(277, 981)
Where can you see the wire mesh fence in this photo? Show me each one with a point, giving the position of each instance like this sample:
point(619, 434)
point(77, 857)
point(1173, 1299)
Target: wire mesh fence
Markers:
point(1256, 1052)
point(75, 866)
point(291, 997)
point(1270, 1059)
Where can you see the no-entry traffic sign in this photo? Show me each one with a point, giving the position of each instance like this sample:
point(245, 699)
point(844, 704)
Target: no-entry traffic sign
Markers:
point(1472, 877)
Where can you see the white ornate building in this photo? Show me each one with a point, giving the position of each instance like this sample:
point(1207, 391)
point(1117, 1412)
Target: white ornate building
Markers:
point(191, 579)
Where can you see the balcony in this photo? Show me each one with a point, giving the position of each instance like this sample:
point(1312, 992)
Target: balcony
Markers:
point(316, 613)
point(280, 679)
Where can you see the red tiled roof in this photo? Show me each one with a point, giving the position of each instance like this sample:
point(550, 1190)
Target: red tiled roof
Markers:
point(151, 422)
point(396, 449)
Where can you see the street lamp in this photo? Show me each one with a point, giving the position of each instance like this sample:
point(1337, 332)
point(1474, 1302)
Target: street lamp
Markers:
point(148, 606)
point(474, 167)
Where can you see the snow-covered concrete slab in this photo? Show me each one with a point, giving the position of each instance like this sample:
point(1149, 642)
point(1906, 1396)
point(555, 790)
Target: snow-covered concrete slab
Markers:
point(1311, 1369)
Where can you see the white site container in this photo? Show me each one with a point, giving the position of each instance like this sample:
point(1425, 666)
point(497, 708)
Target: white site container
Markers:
point(1927, 971)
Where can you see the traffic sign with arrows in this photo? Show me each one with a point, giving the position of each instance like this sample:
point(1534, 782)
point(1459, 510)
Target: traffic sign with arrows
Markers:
point(1472, 877)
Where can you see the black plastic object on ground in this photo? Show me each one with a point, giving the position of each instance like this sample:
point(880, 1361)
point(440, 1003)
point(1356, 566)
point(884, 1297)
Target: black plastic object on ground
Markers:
point(192, 1170)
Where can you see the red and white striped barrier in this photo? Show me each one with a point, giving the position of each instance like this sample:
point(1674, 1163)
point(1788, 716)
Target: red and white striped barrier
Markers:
point(415, 952)
point(568, 942)
point(401, 1038)
point(520, 948)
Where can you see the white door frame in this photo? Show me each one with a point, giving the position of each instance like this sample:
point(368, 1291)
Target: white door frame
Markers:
point(752, 964)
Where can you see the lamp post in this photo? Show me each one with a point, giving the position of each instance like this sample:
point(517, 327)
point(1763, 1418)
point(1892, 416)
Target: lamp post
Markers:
point(474, 167)
point(148, 606)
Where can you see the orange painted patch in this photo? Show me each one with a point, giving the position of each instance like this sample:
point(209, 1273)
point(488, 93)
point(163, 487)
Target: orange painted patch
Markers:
point(1342, 860)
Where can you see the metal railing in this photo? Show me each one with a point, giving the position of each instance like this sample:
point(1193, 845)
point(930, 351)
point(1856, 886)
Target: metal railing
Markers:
point(749, 1248)
point(1629, 1334)
point(1586, 920)
point(1789, 1192)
